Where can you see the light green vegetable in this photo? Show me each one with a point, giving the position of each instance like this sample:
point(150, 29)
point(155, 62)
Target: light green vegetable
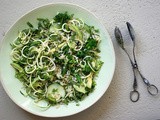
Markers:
point(57, 61)
point(55, 92)
point(89, 81)
point(80, 88)
point(17, 67)
point(76, 29)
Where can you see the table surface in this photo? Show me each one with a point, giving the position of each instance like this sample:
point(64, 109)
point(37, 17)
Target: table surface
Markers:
point(115, 104)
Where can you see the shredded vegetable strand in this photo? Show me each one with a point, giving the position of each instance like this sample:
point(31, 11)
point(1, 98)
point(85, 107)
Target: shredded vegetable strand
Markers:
point(58, 61)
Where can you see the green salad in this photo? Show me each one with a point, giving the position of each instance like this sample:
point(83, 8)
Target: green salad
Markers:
point(57, 60)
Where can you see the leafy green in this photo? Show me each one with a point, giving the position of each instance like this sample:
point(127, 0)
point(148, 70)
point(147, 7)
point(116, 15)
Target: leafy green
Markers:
point(91, 44)
point(29, 24)
point(63, 17)
point(43, 23)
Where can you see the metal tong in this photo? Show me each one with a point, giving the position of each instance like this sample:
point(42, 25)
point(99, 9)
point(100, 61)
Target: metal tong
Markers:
point(134, 94)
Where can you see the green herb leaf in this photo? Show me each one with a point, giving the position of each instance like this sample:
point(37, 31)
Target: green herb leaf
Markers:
point(63, 18)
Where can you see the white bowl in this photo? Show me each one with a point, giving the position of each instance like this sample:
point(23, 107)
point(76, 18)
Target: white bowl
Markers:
point(12, 85)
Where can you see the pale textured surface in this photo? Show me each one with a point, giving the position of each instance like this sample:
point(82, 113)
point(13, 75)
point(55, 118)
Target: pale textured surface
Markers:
point(115, 104)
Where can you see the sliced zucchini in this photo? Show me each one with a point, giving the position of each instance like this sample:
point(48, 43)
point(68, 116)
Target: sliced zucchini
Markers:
point(17, 67)
point(89, 81)
point(76, 29)
point(80, 88)
point(55, 92)
point(61, 45)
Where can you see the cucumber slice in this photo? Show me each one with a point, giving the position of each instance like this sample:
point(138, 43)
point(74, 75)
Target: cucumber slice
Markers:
point(55, 92)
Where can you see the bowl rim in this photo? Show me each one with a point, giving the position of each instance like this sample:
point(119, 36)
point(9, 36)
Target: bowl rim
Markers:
point(110, 42)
